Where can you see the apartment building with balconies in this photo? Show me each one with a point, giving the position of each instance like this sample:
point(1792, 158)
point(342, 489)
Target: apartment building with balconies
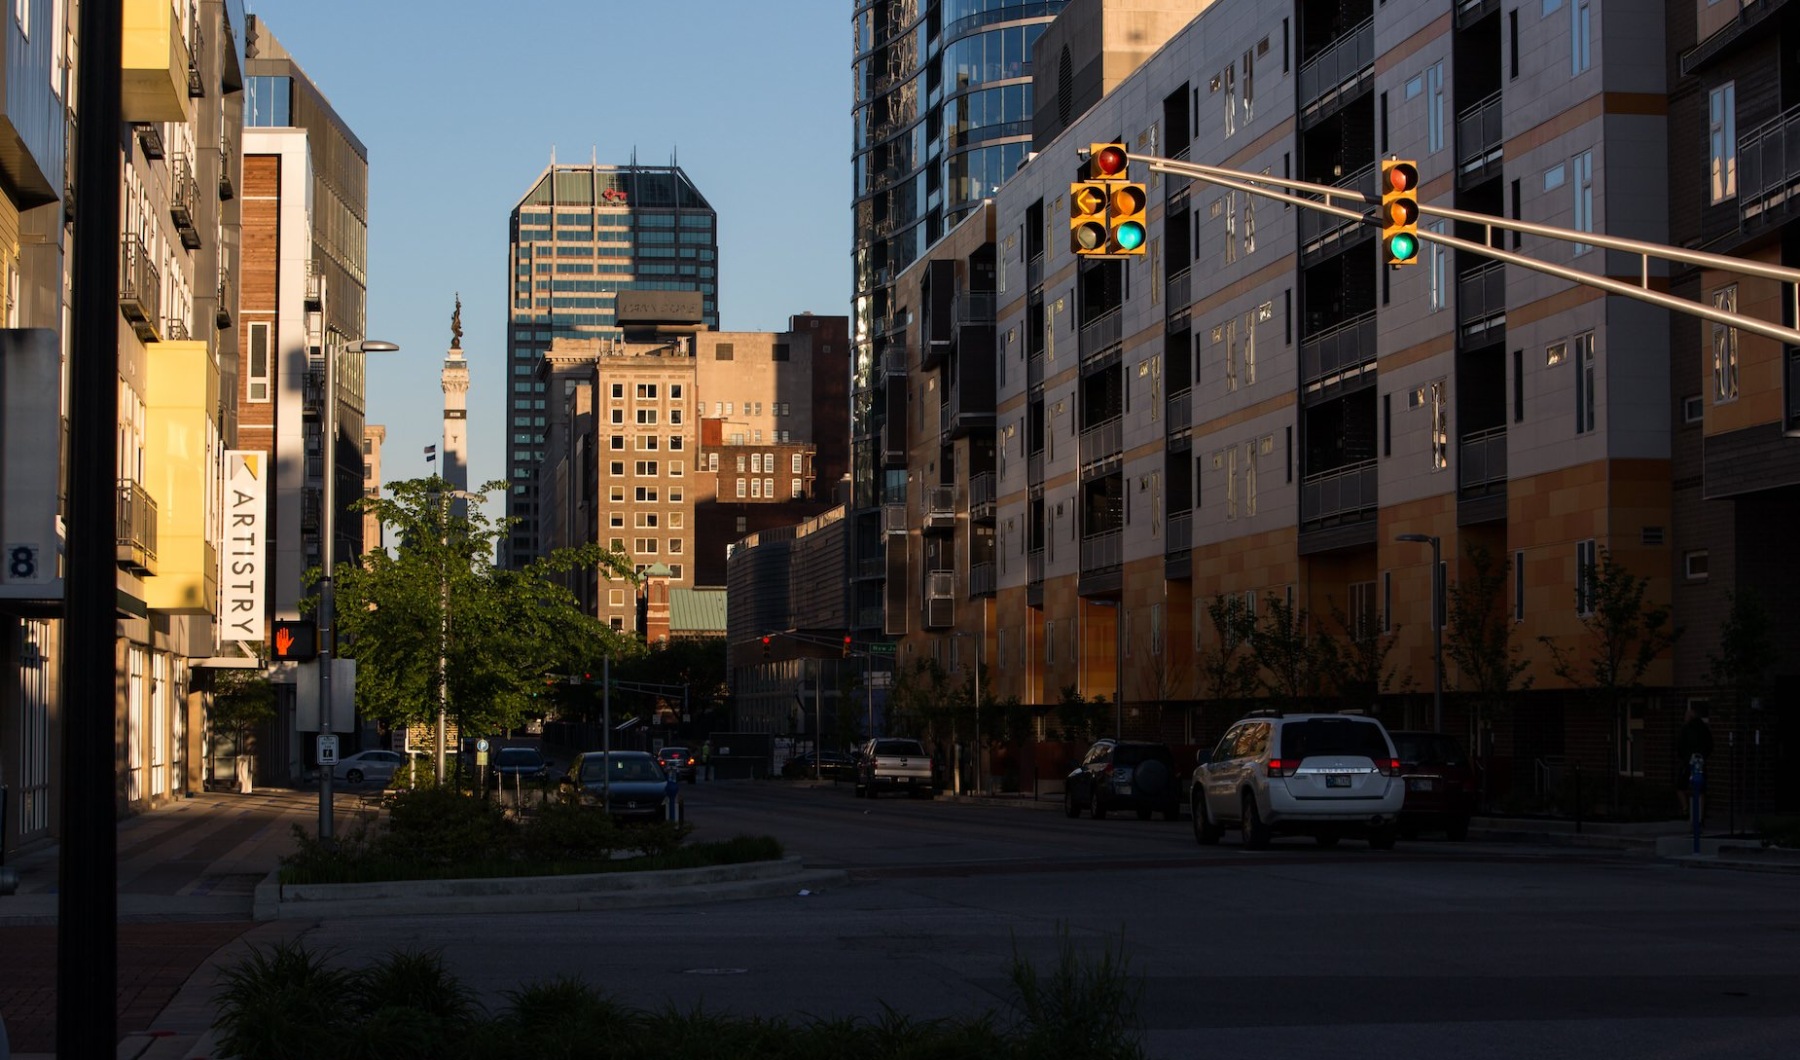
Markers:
point(1258, 408)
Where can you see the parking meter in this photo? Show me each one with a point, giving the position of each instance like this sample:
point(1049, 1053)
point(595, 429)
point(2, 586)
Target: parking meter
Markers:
point(1696, 793)
point(671, 795)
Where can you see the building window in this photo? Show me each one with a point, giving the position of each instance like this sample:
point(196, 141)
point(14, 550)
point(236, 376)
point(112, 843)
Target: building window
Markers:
point(647, 469)
point(646, 494)
point(1694, 564)
point(644, 546)
point(1585, 383)
point(646, 391)
point(741, 488)
point(646, 417)
point(616, 494)
point(1050, 642)
point(618, 468)
point(645, 520)
point(799, 489)
point(618, 417)
point(256, 386)
point(1439, 258)
point(676, 441)
point(615, 598)
point(1582, 176)
point(1434, 107)
point(1693, 409)
point(677, 520)
point(1518, 573)
point(676, 467)
point(769, 488)
point(1440, 426)
point(796, 464)
point(1721, 120)
point(1555, 354)
point(1581, 27)
point(618, 442)
point(1725, 348)
point(616, 520)
point(1584, 576)
point(618, 391)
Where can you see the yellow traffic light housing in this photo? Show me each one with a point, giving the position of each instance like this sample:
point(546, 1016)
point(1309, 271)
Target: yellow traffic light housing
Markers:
point(1125, 229)
point(1087, 217)
point(1399, 212)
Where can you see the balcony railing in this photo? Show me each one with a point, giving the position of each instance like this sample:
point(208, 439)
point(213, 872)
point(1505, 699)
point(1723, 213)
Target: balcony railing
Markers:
point(1179, 532)
point(196, 87)
point(1034, 565)
point(1181, 290)
point(1103, 332)
point(1103, 441)
point(1318, 229)
point(940, 585)
point(982, 578)
point(184, 199)
point(1034, 467)
point(973, 307)
point(1103, 550)
point(1181, 410)
point(1332, 76)
point(1479, 140)
point(871, 567)
point(893, 362)
point(227, 189)
point(312, 393)
point(1034, 371)
point(1347, 345)
point(314, 287)
point(869, 617)
point(1481, 458)
point(140, 285)
point(983, 494)
point(1481, 298)
point(1338, 493)
point(137, 528)
point(222, 311)
point(1769, 164)
point(1034, 272)
point(940, 506)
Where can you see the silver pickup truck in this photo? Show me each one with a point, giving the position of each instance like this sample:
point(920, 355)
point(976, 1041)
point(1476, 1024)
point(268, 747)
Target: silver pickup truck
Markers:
point(890, 763)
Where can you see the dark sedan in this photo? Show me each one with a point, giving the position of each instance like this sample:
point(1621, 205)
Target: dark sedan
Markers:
point(834, 764)
point(679, 761)
point(633, 782)
point(1440, 783)
point(519, 765)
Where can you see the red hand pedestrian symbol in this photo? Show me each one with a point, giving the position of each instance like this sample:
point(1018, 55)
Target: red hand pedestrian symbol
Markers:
point(284, 641)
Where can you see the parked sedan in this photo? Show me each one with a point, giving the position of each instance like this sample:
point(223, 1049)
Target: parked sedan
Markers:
point(369, 765)
point(1440, 783)
point(518, 765)
point(834, 764)
point(633, 782)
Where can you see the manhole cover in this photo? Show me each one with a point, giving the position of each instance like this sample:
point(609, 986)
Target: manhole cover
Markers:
point(717, 971)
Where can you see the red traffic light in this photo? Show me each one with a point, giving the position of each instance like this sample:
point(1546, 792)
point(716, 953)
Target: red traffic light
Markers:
point(1108, 161)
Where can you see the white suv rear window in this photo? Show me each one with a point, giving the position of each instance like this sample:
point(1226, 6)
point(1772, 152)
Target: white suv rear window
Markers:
point(1333, 736)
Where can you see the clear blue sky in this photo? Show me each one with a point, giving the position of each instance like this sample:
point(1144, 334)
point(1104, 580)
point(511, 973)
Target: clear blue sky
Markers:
point(460, 104)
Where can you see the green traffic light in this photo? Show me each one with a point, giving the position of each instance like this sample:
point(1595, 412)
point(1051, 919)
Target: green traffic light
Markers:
point(1403, 247)
point(1130, 235)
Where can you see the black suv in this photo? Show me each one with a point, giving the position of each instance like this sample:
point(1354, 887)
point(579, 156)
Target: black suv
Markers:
point(1124, 775)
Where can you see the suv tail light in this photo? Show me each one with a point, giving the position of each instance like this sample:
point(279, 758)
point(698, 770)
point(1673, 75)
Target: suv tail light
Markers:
point(1283, 767)
point(1388, 767)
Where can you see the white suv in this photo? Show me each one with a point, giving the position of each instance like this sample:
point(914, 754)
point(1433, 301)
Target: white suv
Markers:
point(1323, 775)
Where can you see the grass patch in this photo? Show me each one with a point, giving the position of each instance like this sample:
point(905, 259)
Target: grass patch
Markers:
point(429, 834)
point(287, 1002)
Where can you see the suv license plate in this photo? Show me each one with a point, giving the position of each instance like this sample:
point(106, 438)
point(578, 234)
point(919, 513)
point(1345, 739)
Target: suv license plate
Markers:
point(1419, 784)
point(1337, 782)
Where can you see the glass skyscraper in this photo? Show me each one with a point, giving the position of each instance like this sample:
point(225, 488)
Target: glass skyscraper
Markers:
point(582, 234)
point(942, 117)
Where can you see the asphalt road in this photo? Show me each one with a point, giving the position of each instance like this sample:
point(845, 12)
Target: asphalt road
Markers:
point(1480, 950)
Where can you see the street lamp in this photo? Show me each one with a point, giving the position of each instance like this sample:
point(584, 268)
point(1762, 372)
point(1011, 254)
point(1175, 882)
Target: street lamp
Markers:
point(1437, 626)
point(327, 557)
point(980, 640)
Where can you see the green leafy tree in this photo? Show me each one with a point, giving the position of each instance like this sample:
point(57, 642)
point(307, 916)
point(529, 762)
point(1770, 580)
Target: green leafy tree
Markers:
point(1478, 639)
point(1746, 650)
point(1080, 719)
point(242, 700)
point(1227, 666)
point(1357, 657)
point(697, 662)
point(1292, 661)
point(440, 595)
point(1624, 635)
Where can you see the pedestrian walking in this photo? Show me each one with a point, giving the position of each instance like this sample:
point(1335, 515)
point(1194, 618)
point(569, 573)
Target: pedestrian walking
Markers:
point(706, 759)
point(1694, 741)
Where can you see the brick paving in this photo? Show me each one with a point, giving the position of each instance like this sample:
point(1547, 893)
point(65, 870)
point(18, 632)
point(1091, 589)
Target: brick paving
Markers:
point(154, 961)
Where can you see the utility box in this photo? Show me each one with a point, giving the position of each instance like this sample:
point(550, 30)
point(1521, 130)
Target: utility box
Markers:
point(32, 454)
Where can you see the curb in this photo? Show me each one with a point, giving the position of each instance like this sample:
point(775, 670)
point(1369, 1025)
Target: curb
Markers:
point(539, 894)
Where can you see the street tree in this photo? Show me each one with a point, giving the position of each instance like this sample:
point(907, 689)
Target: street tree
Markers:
point(438, 603)
point(1357, 659)
point(1292, 660)
point(1488, 665)
point(1227, 666)
point(1623, 636)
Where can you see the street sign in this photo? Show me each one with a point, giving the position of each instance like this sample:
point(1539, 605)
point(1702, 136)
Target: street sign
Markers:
point(481, 745)
point(881, 648)
point(328, 749)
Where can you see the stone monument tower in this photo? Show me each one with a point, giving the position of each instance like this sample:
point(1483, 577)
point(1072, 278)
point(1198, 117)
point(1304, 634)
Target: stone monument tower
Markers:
point(456, 409)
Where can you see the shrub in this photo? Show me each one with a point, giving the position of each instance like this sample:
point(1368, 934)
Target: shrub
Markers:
point(442, 825)
point(1780, 831)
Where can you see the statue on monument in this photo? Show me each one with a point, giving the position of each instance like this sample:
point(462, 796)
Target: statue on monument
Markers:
point(456, 324)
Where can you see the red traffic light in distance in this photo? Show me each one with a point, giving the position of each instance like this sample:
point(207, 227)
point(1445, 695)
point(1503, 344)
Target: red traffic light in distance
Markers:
point(847, 643)
point(766, 641)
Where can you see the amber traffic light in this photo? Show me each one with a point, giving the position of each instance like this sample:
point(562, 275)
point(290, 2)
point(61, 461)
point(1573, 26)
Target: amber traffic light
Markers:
point(1399, 212)
point(1087, 218)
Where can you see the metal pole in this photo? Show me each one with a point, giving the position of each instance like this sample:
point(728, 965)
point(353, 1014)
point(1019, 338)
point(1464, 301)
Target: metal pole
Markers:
point(606, 733)
point(443, 635)
point(327, 599)
point(1437, 648)
point(819, 720)
point(978, 755)
point(87, 953)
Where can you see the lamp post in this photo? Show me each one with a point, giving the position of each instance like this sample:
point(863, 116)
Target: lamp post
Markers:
point(1437, 626)
point(443, 667)
point(327, 557)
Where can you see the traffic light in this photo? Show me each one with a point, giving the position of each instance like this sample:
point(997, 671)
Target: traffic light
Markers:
point(1087, 218)
point(847, 643)
point(295, 641)
point(1125, 231)
point(1106, 162)
point(766, 641)
point(1399, 212)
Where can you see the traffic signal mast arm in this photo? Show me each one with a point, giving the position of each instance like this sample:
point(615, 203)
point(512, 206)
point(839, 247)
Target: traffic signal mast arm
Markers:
point(1259, 184)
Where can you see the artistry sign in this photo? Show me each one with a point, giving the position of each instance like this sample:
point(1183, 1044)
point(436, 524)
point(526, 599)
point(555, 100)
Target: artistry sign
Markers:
point(243, 562)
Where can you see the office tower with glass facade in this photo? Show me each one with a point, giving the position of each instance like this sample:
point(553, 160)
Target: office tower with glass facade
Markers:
point(580, 238)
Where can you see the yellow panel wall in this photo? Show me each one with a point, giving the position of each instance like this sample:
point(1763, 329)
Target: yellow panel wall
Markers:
point(155, 63)
point(180, 445)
